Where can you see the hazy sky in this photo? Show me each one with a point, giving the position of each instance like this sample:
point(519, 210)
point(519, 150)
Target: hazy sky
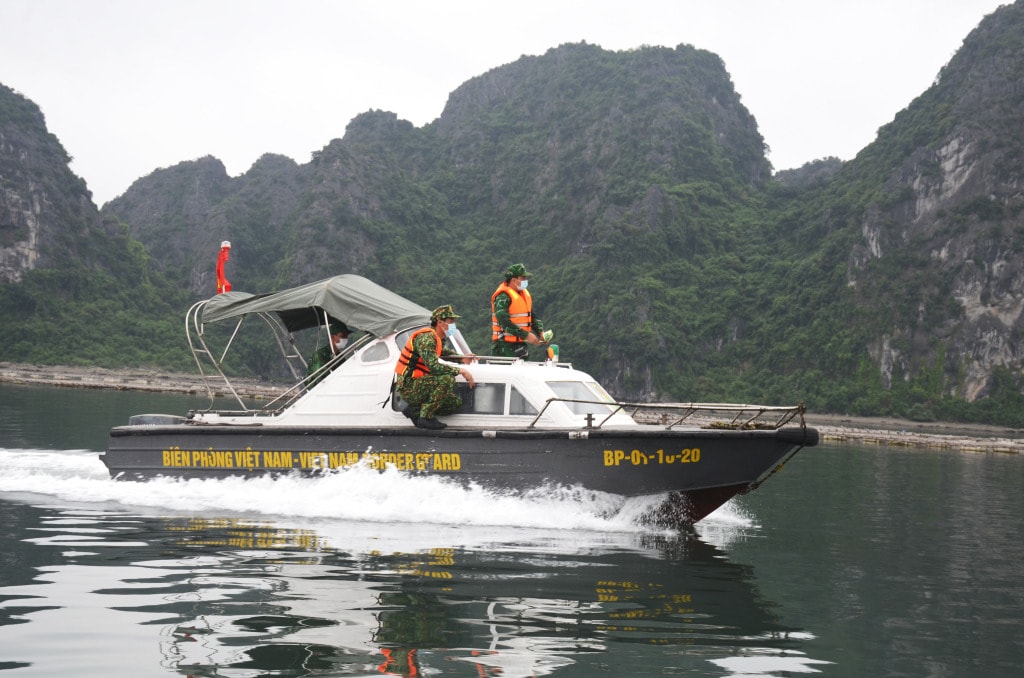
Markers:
point(129, 86)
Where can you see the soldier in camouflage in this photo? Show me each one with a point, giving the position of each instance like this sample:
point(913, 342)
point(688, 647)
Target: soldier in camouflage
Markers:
point(424, 382)
point(513, 324)
point(339, 339)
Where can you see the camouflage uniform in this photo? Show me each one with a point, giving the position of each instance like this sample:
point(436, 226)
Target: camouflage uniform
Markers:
point(325, 354)
point(501, 347)
point(433, 393)
point(320, 358)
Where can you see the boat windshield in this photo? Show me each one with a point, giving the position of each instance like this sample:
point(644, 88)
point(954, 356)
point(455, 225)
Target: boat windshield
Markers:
point(580, 396)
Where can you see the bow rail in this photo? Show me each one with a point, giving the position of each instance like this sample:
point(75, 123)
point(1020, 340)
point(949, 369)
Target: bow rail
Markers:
point(730, 416)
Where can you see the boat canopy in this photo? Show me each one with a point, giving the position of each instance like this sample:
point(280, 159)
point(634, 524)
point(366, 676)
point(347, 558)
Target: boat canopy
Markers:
point(359, 303)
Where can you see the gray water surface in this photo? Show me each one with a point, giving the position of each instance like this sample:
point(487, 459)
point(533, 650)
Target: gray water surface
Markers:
point(851, 561)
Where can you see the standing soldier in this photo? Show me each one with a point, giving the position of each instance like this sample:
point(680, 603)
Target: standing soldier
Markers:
point(513, 324)
point(424, 382)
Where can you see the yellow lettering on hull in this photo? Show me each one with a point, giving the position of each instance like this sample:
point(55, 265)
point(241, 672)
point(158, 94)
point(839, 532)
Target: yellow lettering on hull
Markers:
point(277, 460)
point(689, 455)
point(247, 459)
point(176, 457)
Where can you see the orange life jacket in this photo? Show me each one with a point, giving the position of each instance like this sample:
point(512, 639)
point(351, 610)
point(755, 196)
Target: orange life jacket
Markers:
point(520, 311)
point(419, 367)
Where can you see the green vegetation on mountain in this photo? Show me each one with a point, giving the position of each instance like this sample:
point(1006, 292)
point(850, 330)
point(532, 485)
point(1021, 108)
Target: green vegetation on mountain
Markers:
point(109, 315)
point(667, 259)
point(92, 297)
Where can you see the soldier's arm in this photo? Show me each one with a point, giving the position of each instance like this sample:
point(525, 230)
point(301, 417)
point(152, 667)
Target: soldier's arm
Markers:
point(426, 346)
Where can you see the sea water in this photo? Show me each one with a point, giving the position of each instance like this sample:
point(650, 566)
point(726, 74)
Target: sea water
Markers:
point(849, 562)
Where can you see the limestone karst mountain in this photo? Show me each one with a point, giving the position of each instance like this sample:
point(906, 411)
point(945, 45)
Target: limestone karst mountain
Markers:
point(635, 183)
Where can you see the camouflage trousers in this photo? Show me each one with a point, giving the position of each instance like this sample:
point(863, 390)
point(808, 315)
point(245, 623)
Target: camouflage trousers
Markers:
point(507, 349)
point(431, 394)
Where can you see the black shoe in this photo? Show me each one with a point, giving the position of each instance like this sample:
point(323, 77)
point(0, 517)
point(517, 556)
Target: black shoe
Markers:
point(431, 423)
point(411, 413)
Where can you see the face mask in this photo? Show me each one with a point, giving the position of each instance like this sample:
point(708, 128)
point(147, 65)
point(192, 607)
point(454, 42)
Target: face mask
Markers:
point(341, 343)
point(451, 330)
point(524, 284)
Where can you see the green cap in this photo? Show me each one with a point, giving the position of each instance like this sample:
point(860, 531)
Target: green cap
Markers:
point(338, 326)
point(445, 312)
point(516, 271)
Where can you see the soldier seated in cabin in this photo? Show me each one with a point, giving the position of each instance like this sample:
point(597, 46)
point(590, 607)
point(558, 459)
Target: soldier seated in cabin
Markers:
point(325, 354)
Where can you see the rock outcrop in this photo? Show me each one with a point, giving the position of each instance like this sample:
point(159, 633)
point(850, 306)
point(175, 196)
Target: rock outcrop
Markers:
point(46, 212)
point(948, 232)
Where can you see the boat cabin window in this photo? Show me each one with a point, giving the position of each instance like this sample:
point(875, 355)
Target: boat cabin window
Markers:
point(577, 390)
point(379, 351)
point(490, 399)
point(517, 404)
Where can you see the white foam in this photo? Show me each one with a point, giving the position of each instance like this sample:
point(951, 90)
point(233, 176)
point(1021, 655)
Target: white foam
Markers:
point(357, 494)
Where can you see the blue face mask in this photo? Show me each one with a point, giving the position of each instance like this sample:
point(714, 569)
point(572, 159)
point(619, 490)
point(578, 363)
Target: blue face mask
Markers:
point(523, 284)
point(451, 330)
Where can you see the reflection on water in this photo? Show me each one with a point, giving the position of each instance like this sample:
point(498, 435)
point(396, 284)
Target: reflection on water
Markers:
point(851, 562)
point(232, 597)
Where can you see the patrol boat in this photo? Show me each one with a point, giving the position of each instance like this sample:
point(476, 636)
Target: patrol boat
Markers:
point(525, 426)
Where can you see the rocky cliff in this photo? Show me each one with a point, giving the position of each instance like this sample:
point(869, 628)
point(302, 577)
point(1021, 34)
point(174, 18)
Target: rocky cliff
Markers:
point(941, 247)
point(550, 137)
point(46, 212)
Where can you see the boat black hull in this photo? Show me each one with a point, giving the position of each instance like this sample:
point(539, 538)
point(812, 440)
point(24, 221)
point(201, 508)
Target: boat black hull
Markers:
point(700, 470)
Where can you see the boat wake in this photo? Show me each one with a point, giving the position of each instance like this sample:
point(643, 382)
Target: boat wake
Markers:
point(358, 494)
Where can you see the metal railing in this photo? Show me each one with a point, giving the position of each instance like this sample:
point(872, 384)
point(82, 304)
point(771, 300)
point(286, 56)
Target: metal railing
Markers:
point(704, 415)
point(211, 370)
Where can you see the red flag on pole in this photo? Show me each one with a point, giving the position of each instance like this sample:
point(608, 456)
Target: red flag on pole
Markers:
point(222, 283)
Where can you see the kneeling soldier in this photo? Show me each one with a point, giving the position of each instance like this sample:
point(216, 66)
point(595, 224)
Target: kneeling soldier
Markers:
point(425, 383)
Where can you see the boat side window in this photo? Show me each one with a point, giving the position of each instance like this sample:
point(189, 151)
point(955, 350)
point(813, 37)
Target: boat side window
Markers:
point(517, 404)
point(577, 390)
point(376, 352)
point(488, 399)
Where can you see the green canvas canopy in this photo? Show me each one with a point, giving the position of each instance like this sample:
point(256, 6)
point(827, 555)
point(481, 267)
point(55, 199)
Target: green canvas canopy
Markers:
point(359, 303)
